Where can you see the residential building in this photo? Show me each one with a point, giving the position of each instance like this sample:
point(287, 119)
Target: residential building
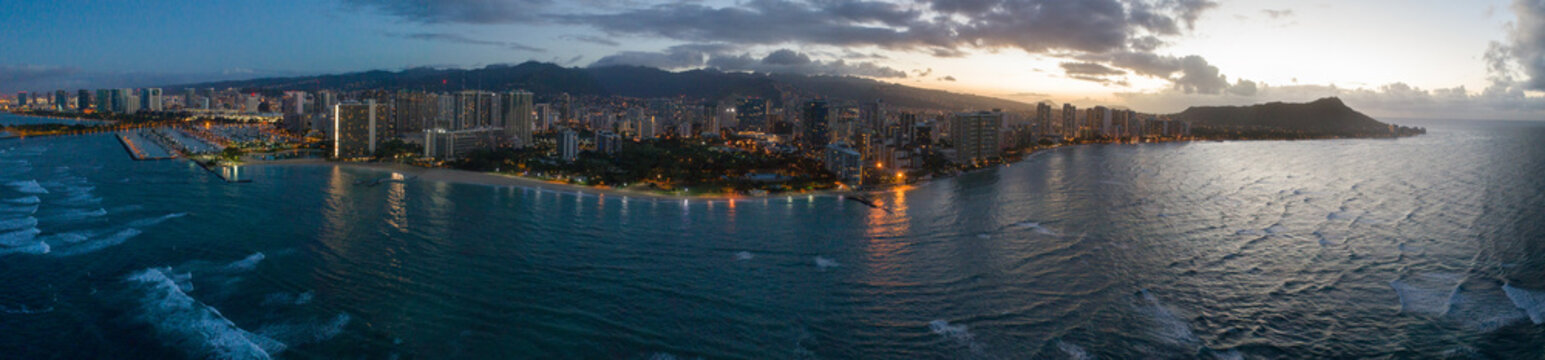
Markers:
point(975, 135)
point(568, 145)
point(360, 127)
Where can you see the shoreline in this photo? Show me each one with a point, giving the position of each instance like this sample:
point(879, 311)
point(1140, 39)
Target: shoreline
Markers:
point(467, 177)
point(98, 122)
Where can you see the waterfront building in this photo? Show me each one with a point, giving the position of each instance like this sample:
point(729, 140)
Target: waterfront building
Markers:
point(360, 127)
point(568, 145)
point(452, 144)
point(846, 162)
point(1043, 119)
point(975, 135)
point(517, 116)
point(1069, 121)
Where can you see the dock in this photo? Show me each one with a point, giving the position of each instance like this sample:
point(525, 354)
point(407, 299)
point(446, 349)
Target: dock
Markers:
point(143, 149)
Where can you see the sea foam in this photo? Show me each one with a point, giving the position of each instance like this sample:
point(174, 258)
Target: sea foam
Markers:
point(246, 264)
point(27, 187)
point(25, 200)
point(958, 333)
point(98, 244)
point(19, 223)
point(19, 238)
point(1531, 301)
point(196, 328)
point(825, 263)
point(147, 222)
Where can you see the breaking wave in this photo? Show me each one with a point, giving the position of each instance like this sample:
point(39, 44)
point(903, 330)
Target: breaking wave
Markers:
point(21, 223)
point(27, 187)
point(1532, 302)
point(98, 244)
point(148, 222)
point(18, 238)
point(825, 263)
point(189, 325)
point(25, 200)
point(246, 264)
point(958, 333)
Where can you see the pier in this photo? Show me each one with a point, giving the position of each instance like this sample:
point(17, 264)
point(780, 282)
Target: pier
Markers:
point(140, 148)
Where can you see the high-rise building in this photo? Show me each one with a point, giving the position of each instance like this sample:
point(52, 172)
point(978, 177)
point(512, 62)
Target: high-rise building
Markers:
point(1044, 120)
point(517, 116)
point(190, 98)
point(22, 100)
point(568, 145)
point(82, 100)
point(751, 113)
point(253, 101)
point(817, 121)
point(608, 142)
point(294, 103)
point(61, 100)
point(873, 115)
point(975, 135)
point(360, 128)
point(150, 99)
point(104, 101)
point(445, 145)
point(1069, 121)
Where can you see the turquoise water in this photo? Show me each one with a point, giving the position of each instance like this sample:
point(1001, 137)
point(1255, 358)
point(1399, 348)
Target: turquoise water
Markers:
point(1409, 248)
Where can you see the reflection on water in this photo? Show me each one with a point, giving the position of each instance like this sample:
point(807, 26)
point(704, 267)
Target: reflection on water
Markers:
point(1423, 248)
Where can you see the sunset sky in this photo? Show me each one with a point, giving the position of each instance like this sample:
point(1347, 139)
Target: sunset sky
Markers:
point(1406, 58)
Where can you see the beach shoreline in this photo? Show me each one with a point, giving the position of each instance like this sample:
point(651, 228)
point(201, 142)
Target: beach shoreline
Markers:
point(458, 176)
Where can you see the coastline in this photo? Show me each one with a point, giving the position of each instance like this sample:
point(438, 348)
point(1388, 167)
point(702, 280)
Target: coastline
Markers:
point(98, 122)
point(457, 176)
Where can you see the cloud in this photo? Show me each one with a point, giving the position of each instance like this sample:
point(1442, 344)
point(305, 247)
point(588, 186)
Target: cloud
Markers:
point(461, 39)
point(1525, 49)
point(948, 28)
point(19, 76)
point(1278, 14)
point(455, 11)
point(1396, 100)
point(676, 57)
point(947, 78)
point(593, 40)
point(785, 61)
point(1088, 68)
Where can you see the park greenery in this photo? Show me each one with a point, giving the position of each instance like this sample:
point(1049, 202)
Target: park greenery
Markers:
point(671, 165)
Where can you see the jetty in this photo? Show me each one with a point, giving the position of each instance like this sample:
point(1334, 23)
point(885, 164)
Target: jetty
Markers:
point(140, 148)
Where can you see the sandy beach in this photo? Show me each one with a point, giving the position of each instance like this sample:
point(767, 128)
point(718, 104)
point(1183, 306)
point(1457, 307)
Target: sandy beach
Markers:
point(494, 179)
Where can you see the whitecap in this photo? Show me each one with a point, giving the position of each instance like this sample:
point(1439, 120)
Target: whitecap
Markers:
point(1426, 293)
point(1074, 351)
point(1532, 302)
point(246, 264)
point(959, 333)
point(984, 236)
point(27, 187)
point(196, 328)
point(21, 209)
point(825, 263)
point(25, 200)
point(98, 244)
point(68, 237)
point(147, 222)
point(21, 237)
point(37, 248)
point(18, 223)
point(1482, 306)
point(1167, 325)
point(744, 255)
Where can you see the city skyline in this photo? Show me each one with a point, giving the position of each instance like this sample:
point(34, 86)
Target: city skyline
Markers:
point(1385, 57)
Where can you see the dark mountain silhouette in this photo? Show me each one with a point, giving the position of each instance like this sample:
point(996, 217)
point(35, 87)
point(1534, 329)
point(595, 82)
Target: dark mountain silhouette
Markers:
point(547, 79)
point(1327, 117)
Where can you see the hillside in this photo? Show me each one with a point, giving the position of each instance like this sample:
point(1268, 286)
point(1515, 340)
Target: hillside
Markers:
point(546, 79)
point(1327, 117)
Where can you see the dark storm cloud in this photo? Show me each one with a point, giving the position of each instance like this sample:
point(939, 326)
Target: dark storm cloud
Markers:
point(460, 39)
point(1073, 68)
point(947, 29)
point(785, 61)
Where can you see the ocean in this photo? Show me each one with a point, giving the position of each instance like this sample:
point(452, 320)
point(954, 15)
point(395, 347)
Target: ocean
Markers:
point(1423, 247)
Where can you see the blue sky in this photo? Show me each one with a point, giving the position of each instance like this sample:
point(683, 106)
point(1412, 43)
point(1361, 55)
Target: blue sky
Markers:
point(1151, 55)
